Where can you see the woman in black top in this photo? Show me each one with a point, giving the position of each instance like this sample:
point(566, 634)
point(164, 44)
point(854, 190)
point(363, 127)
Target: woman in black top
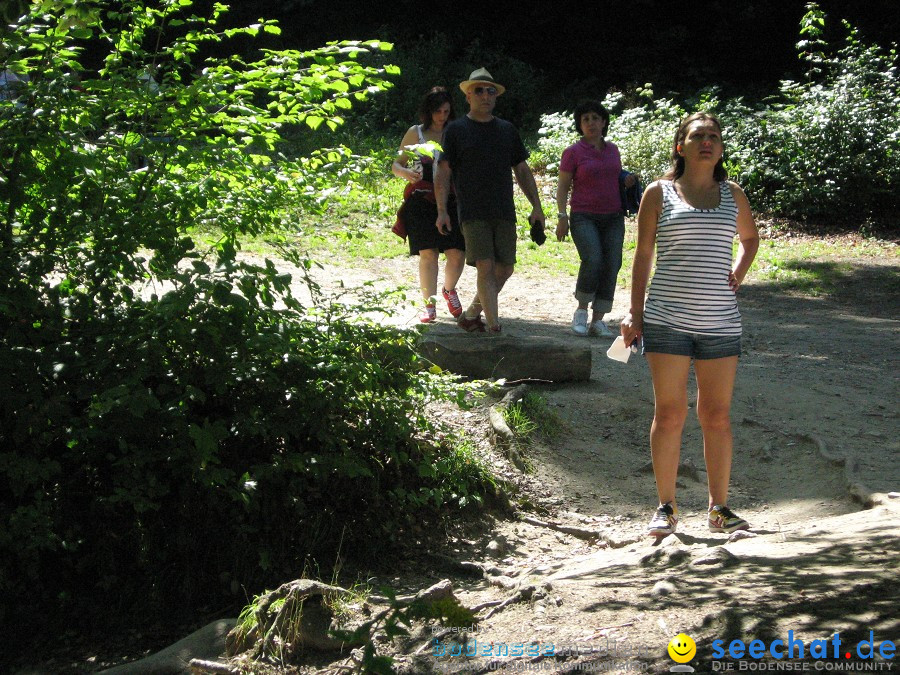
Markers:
point(419, 210)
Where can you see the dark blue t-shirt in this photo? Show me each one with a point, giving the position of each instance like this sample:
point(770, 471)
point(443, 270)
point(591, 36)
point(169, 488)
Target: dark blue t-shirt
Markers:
point(481, 156)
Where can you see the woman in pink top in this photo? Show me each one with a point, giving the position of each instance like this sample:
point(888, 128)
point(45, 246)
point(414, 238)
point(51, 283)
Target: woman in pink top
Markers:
point(591, 168)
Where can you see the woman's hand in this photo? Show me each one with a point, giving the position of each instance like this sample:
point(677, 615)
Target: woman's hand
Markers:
point(400, 170)
point(733, 283)
point(630, 180)
point(562, 227)
point(632, 327)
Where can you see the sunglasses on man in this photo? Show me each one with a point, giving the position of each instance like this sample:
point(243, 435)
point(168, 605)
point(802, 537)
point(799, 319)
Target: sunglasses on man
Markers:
point(491, 91)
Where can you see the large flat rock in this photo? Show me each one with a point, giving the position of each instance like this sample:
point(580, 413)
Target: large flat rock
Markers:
point(513, 357)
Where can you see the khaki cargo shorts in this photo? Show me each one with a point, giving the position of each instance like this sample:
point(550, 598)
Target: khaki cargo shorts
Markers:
point(490, 240)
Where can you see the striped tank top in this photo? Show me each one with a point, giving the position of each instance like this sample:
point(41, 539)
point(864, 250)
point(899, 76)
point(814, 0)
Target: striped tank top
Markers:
point(689, 291)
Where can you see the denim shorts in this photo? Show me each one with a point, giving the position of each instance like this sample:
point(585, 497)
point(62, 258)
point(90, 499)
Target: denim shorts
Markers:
point(661, 339)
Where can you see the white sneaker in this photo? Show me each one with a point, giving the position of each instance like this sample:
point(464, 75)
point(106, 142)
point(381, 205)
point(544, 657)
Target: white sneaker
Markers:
point(600, 329)
point(579, 322)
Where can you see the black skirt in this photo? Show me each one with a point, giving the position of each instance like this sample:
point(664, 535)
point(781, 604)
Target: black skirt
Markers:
point(420, 214)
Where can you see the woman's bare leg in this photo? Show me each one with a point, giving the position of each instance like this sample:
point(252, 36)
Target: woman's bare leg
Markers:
point(428, 272)
point(715, 385)
point(453, 267)
point(670, 376)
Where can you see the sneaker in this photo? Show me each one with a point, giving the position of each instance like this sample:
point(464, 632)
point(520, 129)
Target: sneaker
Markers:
point(428, 315)
point(723, 519)
point(453, 303)
point(494, 329)
point(600, 329)
point(475, 325)
point(664, 521)
point(579, 322)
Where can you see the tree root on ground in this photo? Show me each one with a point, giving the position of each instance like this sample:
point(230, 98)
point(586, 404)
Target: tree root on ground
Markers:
point(523, 593)
point(202, 667)
point(603, 540)
point(504, 437)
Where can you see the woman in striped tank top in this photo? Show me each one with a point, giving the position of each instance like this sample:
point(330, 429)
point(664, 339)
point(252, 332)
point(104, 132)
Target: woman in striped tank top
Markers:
point(690, 314)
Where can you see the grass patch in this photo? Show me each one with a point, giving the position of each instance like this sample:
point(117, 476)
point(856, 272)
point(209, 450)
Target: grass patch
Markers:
point(531, 415)
point(818, 267)
point(356, 226)
point(472, 476)
point(349, 606)
point(345, 246)
point(519, 422)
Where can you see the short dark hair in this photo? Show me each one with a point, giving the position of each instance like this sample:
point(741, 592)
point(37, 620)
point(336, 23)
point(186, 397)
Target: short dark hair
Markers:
point(433, 100)
point(677, 168)
point(590, 106)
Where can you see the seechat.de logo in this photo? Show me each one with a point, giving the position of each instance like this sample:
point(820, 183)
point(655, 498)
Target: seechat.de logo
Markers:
point(795, 648)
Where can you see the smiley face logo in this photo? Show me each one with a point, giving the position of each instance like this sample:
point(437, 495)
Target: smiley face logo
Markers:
point(682, 648)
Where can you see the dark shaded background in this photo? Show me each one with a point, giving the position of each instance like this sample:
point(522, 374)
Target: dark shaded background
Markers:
point(678, 46)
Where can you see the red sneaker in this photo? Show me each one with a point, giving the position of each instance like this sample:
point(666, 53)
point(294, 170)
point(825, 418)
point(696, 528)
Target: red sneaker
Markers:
point(453, 303)
point(428, 315)
point(475, 325)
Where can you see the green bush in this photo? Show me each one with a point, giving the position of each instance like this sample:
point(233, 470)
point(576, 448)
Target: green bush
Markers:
point(827, 148)
point(184, 441)
point(557, 132)
point(642, 133)
point(181, 425)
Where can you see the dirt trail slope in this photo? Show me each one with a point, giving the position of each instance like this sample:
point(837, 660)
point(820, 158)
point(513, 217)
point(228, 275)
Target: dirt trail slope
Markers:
point(816, 472)
point(816, 442)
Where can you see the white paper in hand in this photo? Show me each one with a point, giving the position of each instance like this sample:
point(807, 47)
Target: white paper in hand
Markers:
point(618, 351)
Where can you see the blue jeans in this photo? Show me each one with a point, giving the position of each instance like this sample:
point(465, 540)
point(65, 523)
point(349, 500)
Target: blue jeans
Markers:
point(599, 238)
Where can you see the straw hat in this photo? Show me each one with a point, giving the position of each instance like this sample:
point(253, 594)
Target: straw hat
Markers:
point(481, 76)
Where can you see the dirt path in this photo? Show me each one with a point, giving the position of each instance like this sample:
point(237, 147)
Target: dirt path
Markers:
point(815, 424)
point(816, 442)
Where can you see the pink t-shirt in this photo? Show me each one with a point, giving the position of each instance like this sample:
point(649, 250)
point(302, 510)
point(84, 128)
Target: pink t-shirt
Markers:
point(595, 177)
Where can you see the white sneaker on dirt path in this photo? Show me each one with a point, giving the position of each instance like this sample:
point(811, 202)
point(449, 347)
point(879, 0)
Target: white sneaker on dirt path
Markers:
point(664, 522)
point(600, 329)
point(579, 322)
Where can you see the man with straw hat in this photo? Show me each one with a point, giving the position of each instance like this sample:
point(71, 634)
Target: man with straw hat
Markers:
point(478, 152)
